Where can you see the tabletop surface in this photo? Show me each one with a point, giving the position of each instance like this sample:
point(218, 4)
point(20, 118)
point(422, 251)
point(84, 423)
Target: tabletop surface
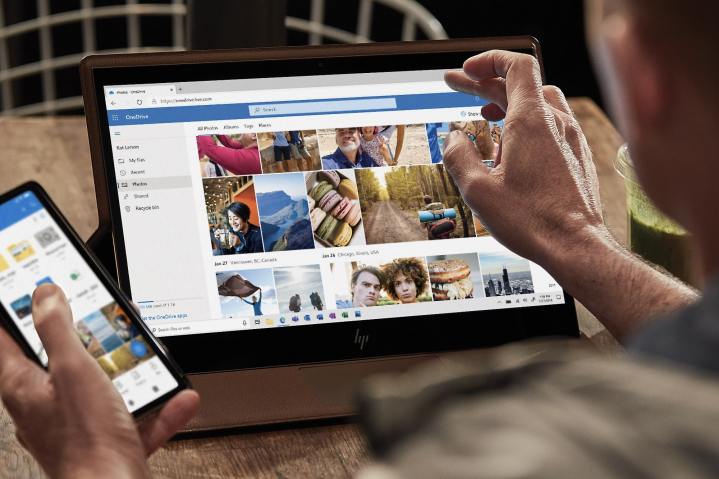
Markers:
point(54, 152)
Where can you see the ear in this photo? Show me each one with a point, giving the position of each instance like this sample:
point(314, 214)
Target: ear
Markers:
point(639, 88)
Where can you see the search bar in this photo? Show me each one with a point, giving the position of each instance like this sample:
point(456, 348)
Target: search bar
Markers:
point(329, 106)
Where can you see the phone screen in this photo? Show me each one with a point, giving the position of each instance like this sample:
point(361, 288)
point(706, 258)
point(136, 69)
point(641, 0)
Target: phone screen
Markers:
point(35, 250)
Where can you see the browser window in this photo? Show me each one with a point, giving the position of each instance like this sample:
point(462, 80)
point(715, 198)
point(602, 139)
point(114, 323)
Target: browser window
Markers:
point(301, 200)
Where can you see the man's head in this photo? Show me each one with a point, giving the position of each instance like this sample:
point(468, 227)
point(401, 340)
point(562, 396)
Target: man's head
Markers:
point(366, 284)
point(347, 139)
point(658, 63)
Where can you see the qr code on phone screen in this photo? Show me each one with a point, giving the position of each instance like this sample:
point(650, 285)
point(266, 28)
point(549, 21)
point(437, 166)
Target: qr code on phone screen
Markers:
point(47, 236)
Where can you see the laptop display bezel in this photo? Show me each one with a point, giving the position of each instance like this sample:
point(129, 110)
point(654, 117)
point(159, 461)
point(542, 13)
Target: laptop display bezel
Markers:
point(322, 342)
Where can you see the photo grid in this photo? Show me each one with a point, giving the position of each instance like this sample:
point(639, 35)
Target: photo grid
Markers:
point(296, 291)
point(452, 277)
point(110, 337)
point(342, 187)
point(38, 253)
point(334, 187)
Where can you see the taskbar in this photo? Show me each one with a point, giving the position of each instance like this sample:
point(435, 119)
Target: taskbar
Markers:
point(306, 317)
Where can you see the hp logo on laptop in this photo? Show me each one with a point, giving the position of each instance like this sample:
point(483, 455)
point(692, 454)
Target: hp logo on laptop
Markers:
point(361, 339)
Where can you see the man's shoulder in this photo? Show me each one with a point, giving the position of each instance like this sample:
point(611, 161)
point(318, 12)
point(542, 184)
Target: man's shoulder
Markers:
point(332, 155)
point(254, 233)
point(568, 406)
point(689, 337)
point(332, 161)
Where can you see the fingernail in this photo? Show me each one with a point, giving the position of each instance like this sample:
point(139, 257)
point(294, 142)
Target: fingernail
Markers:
point(43, 292)
point(453, 135)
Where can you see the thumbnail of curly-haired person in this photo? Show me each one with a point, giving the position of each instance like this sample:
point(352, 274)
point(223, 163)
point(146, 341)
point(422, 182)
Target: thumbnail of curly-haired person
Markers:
point(406, 280)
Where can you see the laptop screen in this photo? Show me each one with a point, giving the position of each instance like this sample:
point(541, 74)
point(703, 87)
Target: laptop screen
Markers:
point(281, 202)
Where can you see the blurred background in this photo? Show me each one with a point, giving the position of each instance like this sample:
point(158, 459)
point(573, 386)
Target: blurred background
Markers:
point(42, 41)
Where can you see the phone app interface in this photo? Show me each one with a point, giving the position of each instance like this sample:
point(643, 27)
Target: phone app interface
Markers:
point(34, 250)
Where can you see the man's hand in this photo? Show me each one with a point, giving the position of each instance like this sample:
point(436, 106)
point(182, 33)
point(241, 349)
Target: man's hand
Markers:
point(70, 417)
point(542, 196)
point(542, 199)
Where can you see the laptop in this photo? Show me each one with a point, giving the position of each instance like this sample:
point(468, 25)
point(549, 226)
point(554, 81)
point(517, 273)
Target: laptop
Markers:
point(283, 219)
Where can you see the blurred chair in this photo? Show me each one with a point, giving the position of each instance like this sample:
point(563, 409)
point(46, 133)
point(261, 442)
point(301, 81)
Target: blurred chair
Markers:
point(415, 17)
point(42, 41)
point(40, 53)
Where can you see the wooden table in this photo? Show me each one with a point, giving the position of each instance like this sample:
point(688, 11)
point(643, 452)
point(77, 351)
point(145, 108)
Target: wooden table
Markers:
point(54, 152)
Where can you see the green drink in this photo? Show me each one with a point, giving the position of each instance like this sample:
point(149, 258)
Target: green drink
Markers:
point(652, 235)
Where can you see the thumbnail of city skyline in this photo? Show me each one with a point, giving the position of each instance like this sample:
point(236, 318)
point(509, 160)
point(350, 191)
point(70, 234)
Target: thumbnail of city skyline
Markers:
point(505, 275)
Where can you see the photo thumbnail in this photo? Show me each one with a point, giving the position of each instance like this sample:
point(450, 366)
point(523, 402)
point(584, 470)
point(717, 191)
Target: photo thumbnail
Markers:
point(21, 250)
point(295, 150)
point(505, 274)
point(227, 155)
point(47, 236)
point(380, 283)
point(120, 321)
point(111, 338)
point(284, 212)
point(22, 306)
point(247, 293)
point(485, 136)
point(373, 146)
point(299, 289)
point(455, 276)
point(412, 203)
point(334, 208)
point(232, 216)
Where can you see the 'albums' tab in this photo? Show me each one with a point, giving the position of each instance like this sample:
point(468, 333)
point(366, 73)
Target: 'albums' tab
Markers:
point(161, 183)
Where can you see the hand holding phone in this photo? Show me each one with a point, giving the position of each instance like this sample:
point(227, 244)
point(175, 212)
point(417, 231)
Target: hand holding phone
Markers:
point(38, 246)
point(70, 417)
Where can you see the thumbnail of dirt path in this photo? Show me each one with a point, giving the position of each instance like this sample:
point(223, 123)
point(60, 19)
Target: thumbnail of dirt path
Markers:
point(386, 223)
point(416, 149)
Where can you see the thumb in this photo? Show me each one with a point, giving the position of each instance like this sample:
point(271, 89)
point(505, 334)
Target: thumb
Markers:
point(53, 322)
point(463, 163)
point(172, 417)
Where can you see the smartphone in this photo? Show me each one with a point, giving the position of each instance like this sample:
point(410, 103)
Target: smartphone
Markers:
point(37, 245)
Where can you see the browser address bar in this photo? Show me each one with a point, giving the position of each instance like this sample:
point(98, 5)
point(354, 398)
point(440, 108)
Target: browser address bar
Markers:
point(328, 106)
